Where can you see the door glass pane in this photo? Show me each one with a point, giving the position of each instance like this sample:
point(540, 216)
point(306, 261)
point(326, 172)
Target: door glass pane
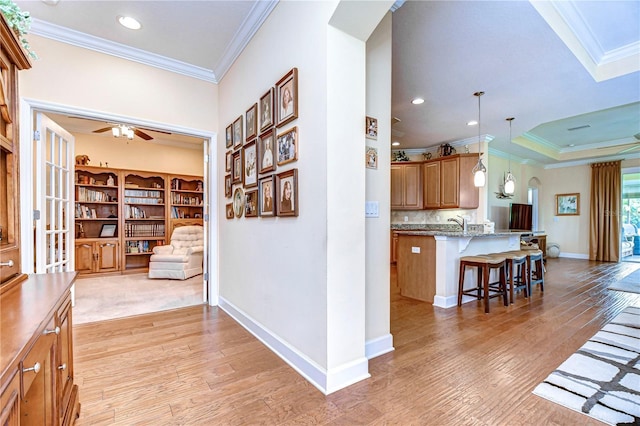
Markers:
point(48, 183)
point(65, 154)
point(48, 147)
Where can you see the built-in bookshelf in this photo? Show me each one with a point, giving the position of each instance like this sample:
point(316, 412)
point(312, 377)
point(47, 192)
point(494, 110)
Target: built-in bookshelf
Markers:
point(187, 200)
point(96, 201)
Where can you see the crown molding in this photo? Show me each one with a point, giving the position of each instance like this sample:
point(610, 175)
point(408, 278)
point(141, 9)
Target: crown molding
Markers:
point(397, 5)
point(592, 160)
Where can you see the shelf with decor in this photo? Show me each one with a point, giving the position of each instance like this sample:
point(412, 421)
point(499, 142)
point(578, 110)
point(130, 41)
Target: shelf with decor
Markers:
point(96, 202)
point(186, 200)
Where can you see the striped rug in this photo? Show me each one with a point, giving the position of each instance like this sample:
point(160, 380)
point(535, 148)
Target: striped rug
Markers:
point(602, 379)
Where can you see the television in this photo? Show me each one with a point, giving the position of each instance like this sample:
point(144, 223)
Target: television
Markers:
point(521, 217)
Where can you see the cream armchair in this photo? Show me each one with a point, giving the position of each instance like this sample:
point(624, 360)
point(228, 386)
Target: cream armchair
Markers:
point(628, 232)
point(182, 258)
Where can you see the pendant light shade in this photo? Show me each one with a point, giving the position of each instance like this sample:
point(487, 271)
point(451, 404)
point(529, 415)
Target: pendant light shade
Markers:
point(509, 180)
point(479, 171)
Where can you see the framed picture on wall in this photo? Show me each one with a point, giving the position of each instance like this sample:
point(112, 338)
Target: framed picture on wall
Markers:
point(228, 160)
point(229, 136)
point(287, 193)
point(237, 133)
point(229, 211)
point(267, 206)
point(251, 204)
point(251, 122)
point(236, 168)
point(567, 204)
point(371, 126)
point(266, 110)
point(288, 146)
point(238, 202)
point(287, 97)
point(250, 175)
point(227, 186)
point(266, 144)
point(371, 157)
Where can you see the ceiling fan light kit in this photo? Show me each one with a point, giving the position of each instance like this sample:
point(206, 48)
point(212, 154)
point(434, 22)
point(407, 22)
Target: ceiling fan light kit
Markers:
point(479, 171)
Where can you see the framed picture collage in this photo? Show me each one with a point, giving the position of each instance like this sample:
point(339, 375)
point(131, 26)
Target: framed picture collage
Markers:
point(259, 142)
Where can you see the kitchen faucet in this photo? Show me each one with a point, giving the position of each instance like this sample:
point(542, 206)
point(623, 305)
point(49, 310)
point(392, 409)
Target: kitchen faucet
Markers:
point(462, 222)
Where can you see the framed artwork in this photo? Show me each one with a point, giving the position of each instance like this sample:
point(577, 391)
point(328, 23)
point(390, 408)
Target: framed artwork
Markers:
point(228, 160)
point(371, 126)
point(266, 110)
point(287, 97)
point(267, 206)
point(229, 136)
point(266, 144)
point(251, 204)
point(287, 193)
point(236, 167)
point(568, 204)
point(371, 157)
point(251, 122)
point(227, 186)
point(108, 230)
point(238, 202)
point(250, 175)
point(288, 146)
point(229, 211)
point(237, 133)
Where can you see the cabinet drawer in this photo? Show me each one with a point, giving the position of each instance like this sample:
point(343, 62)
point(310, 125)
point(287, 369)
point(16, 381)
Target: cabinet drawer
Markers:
point(38, 358)
point(6, 256)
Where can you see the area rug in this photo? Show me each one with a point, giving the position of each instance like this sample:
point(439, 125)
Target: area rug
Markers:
point(117, 296)
point(630, 283)
point(602, 379)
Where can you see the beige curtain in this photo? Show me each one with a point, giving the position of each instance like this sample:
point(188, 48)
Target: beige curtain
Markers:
point(604, 238)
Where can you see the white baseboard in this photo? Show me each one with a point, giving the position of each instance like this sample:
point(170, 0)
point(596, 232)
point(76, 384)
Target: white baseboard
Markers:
point(379, 346)
point(574, 256)
point(325, 382)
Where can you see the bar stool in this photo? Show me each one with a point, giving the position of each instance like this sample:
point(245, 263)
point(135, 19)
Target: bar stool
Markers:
point(535, 268)
point(483, 289)
point(516, 264)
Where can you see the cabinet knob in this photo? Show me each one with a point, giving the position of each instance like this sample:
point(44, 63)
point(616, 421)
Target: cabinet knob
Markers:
point(54, 331)
point(62, 367)
point(9, 263)
point(35, 368)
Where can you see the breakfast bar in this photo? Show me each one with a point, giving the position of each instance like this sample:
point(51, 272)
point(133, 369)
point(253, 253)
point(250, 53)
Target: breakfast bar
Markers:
point(428, 260)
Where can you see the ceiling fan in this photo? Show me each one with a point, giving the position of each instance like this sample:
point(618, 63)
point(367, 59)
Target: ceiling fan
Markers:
point(123, 129)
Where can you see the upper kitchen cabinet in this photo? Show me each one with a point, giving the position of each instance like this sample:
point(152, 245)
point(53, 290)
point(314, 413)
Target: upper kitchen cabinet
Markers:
point(448, 182)
point(406, 186)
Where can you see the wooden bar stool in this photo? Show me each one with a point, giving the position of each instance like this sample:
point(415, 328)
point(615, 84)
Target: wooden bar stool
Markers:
point(483, 289)
point(535, 268)
point(516, 265)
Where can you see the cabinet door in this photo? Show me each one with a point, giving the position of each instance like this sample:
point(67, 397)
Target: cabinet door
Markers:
point(107, 256)
point(9, 403)
point(38, 403)
point(64, 363)
point(397, 187)
point(431, 185)
point(449, 183)
point(413, 186)
point(84, 257)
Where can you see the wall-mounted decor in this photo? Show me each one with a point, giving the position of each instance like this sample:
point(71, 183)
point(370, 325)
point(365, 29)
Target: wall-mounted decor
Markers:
point(238, 202)
point(287, 97)
point(227, 186)
point(287, 193)
point(266, 142)
point(251, 204)
point(237, 133)
point(371, 126)
point(229, 136)
point(267, 207)
point(567, 204)
point(288, 146)
point(236, 169)
point(251, 122)
point(228, 161)
point(266, 110)
point(250, 174)
point(229, 211)
point(371, 157)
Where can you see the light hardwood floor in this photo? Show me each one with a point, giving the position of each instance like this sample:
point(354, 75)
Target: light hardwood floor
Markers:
point(458, 366)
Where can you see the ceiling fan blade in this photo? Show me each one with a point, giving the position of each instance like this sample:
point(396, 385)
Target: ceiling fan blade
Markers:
point(102, 130)
point(155, 130)
point(142, 135)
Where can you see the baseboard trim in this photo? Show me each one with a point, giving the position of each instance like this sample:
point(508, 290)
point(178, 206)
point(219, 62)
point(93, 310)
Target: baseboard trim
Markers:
point(326, 382)
point(379, 346)
point(574, 256)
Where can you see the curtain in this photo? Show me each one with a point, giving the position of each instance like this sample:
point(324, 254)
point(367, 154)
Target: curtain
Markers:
point(604, 238)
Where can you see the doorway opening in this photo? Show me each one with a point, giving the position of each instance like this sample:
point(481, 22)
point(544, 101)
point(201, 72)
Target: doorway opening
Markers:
point(630, 215)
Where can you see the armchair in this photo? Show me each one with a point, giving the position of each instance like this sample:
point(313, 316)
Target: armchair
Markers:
point(628, 234)
point(182, 258)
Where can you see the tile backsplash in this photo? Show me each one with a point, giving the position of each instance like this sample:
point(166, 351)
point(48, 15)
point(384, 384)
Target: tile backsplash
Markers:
point(429, 216)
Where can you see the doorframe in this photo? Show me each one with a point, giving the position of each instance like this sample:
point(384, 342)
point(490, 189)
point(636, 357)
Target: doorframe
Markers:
point(27, 108)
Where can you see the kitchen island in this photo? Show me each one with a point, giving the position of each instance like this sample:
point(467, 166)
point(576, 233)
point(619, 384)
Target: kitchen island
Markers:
point(428, 260)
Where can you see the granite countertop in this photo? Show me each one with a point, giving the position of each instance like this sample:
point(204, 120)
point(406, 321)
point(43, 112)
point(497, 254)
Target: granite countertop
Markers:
point(447, 230)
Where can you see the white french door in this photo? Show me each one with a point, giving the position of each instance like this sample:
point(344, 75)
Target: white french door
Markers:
point(53, 156)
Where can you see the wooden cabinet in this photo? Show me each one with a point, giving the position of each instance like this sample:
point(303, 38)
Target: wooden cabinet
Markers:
point(394, 247)
point(66, 390)
point(406, 186)
point(10, 401)
point(12, 60)
point(187, 200)
point(448, 182)
point(94, 255)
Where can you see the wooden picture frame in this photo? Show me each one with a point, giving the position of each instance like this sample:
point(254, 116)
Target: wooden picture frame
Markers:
point(568, 204)
point(267, 205)
point(227, 186)
point(229, 211)
point(287, 146)
point(228, 160)
point(287, 97)
point(251, 203)
point(371, 127)
point(108, 230)
point(237, 133)
point(287, 193)
point(250, 174)
point(229, 136)
point(266, 110)
point(266, 149)
point(237, 168)
point(251, 122)
point(238, 202)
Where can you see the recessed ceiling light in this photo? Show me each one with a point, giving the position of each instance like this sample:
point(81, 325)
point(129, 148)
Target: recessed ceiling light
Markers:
point(395, 143)
point(472, 123)
point(572, 145)
point(129, 22)
point(417, 101)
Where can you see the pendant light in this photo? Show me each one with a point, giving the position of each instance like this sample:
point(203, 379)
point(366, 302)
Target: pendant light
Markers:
point(509, 180)
point(479, 171)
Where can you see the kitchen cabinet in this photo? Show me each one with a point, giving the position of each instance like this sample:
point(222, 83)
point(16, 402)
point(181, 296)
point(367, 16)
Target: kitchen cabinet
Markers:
point(448, 182)
point(406, 186)
point(97, 255)
point(394, 247)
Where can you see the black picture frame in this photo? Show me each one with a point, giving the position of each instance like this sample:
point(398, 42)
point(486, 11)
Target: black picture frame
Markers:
point(108, 230)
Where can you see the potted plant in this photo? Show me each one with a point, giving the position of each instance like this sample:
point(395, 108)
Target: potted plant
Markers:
point(19, 21)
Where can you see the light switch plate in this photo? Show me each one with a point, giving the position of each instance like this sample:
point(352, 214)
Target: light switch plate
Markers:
point(371, 209)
